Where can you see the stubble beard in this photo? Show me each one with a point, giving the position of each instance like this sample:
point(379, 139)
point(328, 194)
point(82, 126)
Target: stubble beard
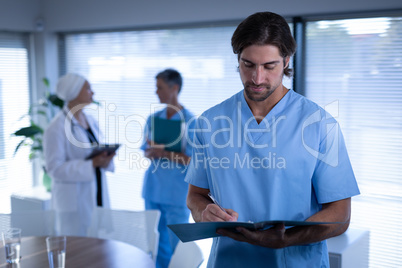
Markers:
point(255, 96)
point(260, 96)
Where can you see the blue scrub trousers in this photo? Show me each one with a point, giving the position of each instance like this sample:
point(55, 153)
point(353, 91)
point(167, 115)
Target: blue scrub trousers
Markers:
point(167, 239)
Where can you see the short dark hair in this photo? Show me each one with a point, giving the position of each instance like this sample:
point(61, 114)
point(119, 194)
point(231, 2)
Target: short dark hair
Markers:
point(171, 77)
point(265, 28)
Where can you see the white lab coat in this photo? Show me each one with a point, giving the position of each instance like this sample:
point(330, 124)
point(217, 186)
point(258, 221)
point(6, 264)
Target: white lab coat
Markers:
point(73, 177)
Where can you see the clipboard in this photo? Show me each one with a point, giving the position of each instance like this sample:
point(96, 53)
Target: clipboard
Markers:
point(194, 231)
point(109, 148)
point(168, 132)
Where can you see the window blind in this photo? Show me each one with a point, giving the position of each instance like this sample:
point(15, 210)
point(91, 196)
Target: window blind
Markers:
point(356, 64)
point(121, 66)
point(15, 171)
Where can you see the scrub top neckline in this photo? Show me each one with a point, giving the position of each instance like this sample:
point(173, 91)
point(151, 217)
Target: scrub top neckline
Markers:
point(277, 109)
point(247, 114)
point(174, 117)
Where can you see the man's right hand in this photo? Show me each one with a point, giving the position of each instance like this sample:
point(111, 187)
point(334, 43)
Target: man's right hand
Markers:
point(202, 208)
point(213, 212)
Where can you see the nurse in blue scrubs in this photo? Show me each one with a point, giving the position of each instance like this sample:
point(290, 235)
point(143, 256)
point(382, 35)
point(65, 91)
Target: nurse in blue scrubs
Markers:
point(164, 186)
point(268, 153)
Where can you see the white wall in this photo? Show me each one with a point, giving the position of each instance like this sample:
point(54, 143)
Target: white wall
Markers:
point(19, 15)
point(74, 15)
point(71, 15)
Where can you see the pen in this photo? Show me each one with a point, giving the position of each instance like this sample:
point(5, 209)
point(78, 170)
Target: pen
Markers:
point(216, 202)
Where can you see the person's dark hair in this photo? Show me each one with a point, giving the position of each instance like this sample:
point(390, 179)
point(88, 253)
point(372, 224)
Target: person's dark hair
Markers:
point(171, 77)
point(265, 28)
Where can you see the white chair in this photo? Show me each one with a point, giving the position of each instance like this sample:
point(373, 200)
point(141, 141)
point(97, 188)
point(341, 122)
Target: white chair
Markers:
point(186, 255)
point(72, 223)
point(138, 228)
point(32, 223)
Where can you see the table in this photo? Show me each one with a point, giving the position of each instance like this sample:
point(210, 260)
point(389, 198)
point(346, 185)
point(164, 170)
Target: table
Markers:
point(81, 252)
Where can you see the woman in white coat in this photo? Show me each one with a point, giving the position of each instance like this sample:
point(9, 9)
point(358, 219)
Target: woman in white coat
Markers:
point(78, 184)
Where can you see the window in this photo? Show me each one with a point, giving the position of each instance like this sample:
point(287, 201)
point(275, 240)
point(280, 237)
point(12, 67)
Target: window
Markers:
point(356, 64)
point(121, 66)
point(15, 171)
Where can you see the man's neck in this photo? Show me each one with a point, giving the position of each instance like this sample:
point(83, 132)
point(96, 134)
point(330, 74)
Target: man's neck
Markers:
point(173, 108)
point(260, 109)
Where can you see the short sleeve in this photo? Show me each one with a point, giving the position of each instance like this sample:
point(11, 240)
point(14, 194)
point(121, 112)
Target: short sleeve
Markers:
point(197, 170)
point(147, 134)
point(333, 178)
point(190, 125)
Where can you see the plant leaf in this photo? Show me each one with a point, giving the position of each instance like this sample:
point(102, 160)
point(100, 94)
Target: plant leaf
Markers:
point(45, 81)
point(32, 156)
point(18, 146)
point(22, 117)
point(37, 148)
point(42, 113)
point(29, 131)
point(56, 101)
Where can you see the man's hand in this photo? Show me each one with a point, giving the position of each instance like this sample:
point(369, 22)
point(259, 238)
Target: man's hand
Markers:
point(213, 212)
point(155, 153)
point(202, 208)
point(279, 237)
point(155, 150)
point(270, 238)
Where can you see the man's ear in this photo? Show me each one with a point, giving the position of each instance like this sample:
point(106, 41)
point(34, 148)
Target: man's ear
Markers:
point(175, 88)
point(286, 62)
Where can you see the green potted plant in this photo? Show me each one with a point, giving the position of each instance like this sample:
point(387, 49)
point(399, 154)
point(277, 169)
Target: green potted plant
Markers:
point(40, 114)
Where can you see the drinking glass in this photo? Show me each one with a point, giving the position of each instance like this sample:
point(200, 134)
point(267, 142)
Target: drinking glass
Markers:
point(12, 244)
point(56, 251)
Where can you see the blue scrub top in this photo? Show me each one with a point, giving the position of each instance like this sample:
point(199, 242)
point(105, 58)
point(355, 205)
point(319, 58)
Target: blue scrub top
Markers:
point(281, 169)
point(164, 180)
